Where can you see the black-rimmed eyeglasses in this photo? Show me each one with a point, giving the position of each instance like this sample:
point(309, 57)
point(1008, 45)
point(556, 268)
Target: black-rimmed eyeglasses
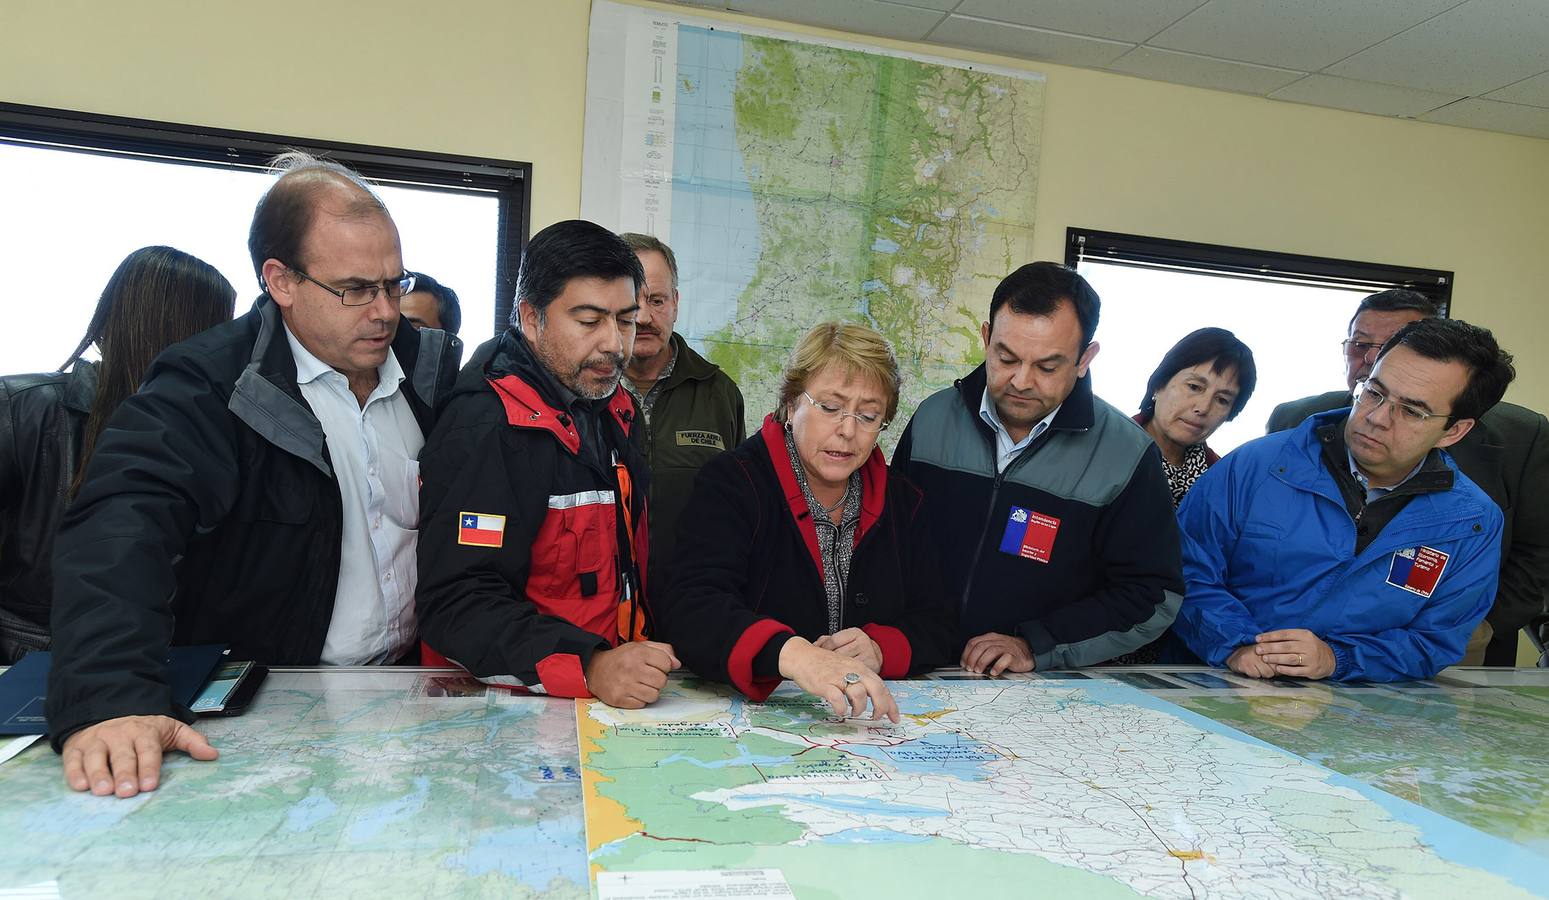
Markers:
point(366, 294)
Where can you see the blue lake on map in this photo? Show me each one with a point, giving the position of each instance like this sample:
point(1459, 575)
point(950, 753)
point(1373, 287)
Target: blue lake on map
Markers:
point(934, 754)
point(744, 758)
point(371, 822)
point(532, 854)
point(308, 812)
point(873, 836)
point(854, 805)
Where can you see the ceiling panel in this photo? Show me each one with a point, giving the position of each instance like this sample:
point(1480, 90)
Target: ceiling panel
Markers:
point(1492, 115)
point(1531, 91)
point(1119, 20)
point(1201, 71)
point(1363, 96)
point(1029, 43)
point(1306, 35)
point(941, 5)
point(889, 20)
point(1471, 49)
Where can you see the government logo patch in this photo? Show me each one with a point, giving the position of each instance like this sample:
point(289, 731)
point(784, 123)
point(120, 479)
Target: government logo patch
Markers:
point(1029, 535)
point(1417, 570)
point(481, 530)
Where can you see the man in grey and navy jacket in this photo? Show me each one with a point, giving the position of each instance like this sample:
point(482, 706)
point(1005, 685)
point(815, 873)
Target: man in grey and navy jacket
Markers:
point(1051, 508)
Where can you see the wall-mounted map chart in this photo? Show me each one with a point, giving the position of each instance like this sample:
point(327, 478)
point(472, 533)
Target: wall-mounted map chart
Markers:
point(799, 181)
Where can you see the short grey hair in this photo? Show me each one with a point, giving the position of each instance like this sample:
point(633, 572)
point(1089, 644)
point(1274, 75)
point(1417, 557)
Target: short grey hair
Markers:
point(650, 243)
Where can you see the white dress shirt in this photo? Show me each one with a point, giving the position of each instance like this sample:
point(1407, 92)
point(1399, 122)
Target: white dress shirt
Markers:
point(1007, 449)
point(374, 451)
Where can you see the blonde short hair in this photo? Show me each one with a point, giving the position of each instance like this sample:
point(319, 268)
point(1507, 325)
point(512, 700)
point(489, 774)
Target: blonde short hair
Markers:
point(861, 350)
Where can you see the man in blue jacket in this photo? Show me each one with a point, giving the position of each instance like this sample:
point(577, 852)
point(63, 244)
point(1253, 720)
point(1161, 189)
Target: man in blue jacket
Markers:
point(1351, 547)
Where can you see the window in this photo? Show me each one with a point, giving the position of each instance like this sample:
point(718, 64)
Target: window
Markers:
point(81, 192)
point(1292, 311)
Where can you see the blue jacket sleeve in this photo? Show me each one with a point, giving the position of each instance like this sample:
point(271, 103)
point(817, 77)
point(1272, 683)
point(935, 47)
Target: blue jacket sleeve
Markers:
point(1439, 633)
point(1213, 622)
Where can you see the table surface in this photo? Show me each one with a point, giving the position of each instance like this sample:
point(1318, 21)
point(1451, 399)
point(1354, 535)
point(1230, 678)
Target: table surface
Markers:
point(340, 782)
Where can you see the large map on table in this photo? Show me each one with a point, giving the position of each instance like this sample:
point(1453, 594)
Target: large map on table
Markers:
point(1473, 753)
point(800, 179)
point(335, 784)
point(1090, 789)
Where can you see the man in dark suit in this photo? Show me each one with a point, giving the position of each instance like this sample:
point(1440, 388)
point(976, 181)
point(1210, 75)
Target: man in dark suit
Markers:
point(1506, 454)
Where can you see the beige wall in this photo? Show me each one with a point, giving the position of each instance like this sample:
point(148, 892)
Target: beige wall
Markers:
point(506, 78)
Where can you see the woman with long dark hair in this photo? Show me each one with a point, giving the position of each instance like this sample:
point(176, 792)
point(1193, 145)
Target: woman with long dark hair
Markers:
point(49, 423)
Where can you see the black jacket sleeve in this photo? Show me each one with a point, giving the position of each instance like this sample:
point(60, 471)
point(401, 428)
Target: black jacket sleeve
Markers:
point(1524, 585)
point(704, 612)
point(471, 600)
point(165, 466)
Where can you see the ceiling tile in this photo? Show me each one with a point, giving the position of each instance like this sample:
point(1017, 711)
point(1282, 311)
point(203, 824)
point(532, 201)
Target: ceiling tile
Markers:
point(1493, 116)
point(1305, 35)
point(873, 17)
point(1119, 20)
point(940, 5)
point(1028, 43)
point(1531, 91)
point(1202, 71)
point(1363, 96)
point(1471, 49)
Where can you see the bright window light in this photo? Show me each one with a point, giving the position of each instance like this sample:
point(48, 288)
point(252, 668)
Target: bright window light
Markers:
point(1293, 330)
point(71, 218)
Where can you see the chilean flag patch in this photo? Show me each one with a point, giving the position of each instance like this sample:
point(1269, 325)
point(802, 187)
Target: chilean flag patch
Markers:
point(481, 529)
point(1417, 570)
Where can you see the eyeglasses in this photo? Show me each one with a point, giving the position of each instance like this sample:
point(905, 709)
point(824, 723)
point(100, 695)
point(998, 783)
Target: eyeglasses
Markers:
point(365, 294)
point(1370, 399)
point(1362, 349)
point(834, 414)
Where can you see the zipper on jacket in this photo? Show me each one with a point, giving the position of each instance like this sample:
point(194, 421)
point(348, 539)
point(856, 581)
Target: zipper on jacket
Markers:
point(1000, 479)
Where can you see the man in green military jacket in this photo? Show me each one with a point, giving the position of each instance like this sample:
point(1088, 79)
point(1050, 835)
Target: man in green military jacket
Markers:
point(692, 409)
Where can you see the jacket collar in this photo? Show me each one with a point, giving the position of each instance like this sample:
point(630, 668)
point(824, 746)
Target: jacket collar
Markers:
point(268, 400)
point(531, 398)
point(80, 393)
point(688, 365)
point(1076, 412)
point(1432, 476)
point(873, 488)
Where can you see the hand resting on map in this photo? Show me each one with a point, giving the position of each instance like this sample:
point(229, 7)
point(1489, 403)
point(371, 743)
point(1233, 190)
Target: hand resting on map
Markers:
point(123, 756)
point(822, 673)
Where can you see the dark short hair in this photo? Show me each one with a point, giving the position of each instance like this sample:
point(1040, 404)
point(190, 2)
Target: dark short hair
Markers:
point(650, 243)
point(1206, 345)
point(285, 212)
point(1490, 368)
point(448, 310)
point(1038, 289)
point(1394, 300)
point(571, 249)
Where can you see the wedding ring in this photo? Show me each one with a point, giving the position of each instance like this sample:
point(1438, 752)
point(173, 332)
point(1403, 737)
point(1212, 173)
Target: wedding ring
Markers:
point(1298, 659)
point(851, 678)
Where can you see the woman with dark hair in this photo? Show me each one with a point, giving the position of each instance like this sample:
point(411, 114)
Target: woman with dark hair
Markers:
point(811, 561)
point(49, 423)
point(1203, 381)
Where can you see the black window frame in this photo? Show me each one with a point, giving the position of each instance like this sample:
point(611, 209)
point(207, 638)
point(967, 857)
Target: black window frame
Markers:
point(1166, 254)
point(510, 182)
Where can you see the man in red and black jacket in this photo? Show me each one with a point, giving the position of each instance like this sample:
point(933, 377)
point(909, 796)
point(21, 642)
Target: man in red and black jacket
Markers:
point(532, 548)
